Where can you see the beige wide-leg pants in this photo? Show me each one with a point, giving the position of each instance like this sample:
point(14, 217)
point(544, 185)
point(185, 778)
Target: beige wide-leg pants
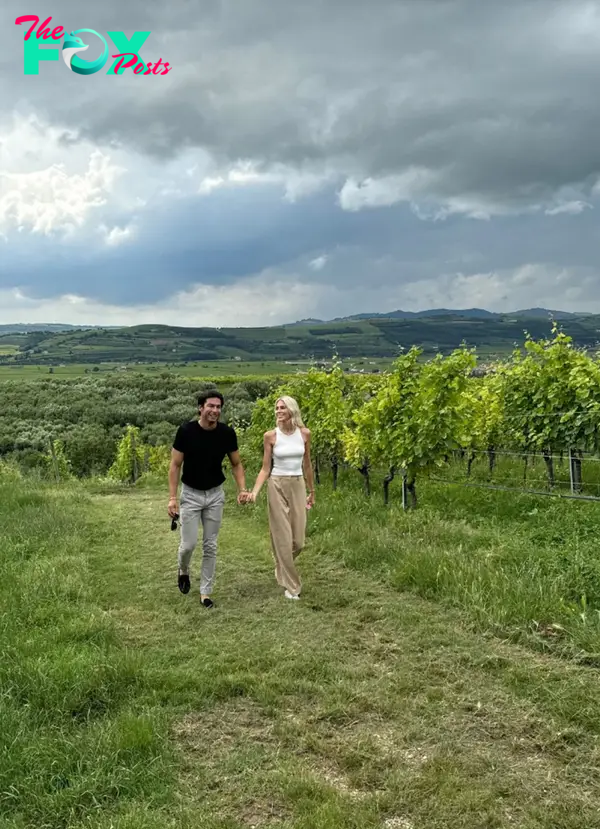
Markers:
point(287, 525)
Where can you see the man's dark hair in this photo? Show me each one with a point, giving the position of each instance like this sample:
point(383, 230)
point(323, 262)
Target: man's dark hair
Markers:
point(205, 395)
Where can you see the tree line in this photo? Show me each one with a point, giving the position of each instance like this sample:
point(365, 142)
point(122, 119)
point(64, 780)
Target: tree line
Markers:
point(84, 419)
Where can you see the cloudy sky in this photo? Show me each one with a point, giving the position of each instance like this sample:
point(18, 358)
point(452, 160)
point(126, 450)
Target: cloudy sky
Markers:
point(302, 159)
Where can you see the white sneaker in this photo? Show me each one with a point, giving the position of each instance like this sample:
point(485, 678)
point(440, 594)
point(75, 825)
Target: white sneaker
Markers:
point(289, 595)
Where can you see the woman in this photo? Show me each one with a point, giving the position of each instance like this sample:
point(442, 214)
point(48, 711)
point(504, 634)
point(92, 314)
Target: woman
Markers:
point(286, 465)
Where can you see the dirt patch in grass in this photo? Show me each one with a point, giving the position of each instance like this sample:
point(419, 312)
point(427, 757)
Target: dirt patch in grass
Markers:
point(225, 727)
point(230, 760)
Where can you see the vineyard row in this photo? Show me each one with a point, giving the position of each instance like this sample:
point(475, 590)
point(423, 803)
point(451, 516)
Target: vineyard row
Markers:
point(421, 415)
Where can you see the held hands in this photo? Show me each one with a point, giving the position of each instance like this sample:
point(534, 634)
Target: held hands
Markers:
point(246, 497)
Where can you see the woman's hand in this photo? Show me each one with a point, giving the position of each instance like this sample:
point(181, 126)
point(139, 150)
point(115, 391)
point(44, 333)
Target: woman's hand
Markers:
point(310, 501)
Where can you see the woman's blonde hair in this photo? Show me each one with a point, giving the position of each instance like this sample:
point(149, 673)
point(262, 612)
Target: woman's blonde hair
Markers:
point(293, 408)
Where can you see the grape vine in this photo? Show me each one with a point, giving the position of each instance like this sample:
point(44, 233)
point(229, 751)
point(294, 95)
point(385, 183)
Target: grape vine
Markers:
point(543, 399)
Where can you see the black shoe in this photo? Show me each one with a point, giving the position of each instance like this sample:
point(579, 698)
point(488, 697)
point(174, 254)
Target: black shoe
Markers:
point(207, 602)
point(184, 583)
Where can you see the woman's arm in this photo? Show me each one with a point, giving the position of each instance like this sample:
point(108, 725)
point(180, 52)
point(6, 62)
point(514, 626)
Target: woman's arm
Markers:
point(266, 465)
point(307, 468)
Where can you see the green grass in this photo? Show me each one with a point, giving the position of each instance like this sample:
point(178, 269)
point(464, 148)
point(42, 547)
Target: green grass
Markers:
point(407, 688)
point(213, 368)
point(207, 369)
point(522, 566)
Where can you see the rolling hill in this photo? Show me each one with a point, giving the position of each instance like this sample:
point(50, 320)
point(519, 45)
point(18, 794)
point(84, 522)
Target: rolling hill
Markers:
point(376, 337)
point(28, 327)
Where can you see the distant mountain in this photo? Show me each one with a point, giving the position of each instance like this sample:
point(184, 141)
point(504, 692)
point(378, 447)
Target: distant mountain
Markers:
point(544, 312)
point(463, 313)
point(307, 321)
point(468, 313)
point(54, 327)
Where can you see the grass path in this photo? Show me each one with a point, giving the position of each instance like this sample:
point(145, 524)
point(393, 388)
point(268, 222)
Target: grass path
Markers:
point(356, 707)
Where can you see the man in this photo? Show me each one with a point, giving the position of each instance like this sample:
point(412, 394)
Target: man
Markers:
point(200, 447)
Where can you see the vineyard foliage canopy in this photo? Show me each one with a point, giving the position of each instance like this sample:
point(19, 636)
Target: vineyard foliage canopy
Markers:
point(410, 420)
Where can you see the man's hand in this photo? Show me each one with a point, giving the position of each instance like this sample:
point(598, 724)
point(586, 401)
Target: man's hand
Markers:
point(243, 497)
point(172, 508)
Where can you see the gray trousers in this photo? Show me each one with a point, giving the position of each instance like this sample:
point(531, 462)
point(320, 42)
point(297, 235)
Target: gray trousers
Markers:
point(194, 506)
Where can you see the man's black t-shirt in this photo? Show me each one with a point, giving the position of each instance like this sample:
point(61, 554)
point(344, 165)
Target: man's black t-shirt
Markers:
point(204, 451)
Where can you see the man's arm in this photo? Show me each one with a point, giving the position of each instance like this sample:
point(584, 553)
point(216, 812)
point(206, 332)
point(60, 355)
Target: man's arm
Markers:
point(238, 470)
point(174, 474)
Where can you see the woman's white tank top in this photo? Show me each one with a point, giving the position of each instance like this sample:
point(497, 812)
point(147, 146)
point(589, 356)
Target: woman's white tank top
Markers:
point(288, 453)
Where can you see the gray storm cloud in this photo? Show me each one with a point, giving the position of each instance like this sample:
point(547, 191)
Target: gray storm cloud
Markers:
point(473, 103)
point(410, 111)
